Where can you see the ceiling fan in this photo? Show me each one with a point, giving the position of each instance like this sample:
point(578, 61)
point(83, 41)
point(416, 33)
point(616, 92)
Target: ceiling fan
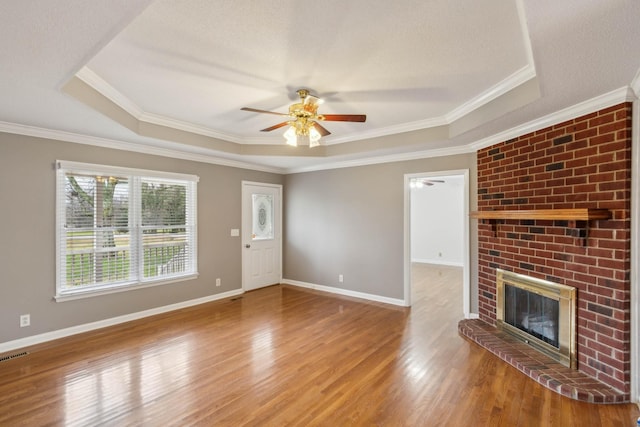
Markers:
point(303, 119)
point(419, 183)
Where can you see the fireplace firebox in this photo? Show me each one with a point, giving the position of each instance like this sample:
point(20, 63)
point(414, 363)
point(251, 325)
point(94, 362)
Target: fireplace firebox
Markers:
point(538, 312)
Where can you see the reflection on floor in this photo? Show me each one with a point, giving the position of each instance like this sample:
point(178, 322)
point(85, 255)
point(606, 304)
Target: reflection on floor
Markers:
point(283, 356)
point(437, 285)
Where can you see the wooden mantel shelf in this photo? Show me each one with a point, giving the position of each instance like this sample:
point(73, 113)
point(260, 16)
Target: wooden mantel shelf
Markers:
point(578, 218)
point(580, 214)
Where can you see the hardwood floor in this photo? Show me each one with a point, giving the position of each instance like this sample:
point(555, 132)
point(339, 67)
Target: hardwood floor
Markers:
point(286, 356)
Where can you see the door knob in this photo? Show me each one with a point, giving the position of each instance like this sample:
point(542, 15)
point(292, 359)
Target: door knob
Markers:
point(247, 246)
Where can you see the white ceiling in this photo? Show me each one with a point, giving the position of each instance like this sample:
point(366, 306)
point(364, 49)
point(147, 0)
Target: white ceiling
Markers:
point(170, 77)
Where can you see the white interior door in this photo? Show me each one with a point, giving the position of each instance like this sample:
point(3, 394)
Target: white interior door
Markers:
point(261, 235)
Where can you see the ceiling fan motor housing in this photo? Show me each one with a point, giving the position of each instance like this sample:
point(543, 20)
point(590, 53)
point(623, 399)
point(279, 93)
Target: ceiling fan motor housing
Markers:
point(303, 117)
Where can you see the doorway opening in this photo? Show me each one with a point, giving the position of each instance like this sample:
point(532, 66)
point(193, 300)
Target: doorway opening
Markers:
point(437, 228)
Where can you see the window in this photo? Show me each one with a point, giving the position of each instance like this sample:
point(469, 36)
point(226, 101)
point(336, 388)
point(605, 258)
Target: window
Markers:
point(119, 228)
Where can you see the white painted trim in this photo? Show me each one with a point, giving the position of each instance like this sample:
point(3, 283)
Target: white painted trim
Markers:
point(185, 153)
point(473, 316)
point(516, 79)
point(406, 250)
point(73, 330)
point(345, 292)
point(521, 76)
point(401, 157)
point(79, 167)
point(437, 261)
point(623, 94)
point(635, 84)
point(197, 154)
point(524, 28)
point(609, 99)
point(466, 254)
point(88, 76)
point(105, 89)
point(72, 296)
point(391, 130)
point(635, 253)
point(157, 119)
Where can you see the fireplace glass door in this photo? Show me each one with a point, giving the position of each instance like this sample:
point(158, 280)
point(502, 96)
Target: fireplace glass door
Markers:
point(532, 313)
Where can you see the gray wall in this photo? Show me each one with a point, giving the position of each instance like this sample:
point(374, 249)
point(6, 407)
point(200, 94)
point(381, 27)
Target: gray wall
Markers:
point(27, 230)
point(342, 221)
point(351, 221)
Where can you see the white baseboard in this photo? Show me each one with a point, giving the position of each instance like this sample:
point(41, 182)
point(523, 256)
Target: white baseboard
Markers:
point(437, 262)
point(61, 333)
point(345, 292)
point(472, 316)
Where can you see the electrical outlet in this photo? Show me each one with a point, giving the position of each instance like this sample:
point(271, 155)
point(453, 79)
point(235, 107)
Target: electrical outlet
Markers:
point(340, 278)
point(218, 282)
point(25, 320)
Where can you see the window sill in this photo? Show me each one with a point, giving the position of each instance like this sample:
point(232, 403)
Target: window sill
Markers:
point(81, 294)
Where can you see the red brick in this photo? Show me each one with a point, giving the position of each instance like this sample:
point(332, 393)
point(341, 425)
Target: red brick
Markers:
point(586, 170)
point(612, 165)
point(601, 119)
point(602, 139)
point(619, 145)
point(588, 152)
point(586, 134)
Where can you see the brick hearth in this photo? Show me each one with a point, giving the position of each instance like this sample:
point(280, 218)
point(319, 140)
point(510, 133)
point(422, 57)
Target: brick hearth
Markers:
point(546, 371)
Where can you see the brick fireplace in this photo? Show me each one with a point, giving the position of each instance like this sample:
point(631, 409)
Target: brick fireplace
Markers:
point(581, 163)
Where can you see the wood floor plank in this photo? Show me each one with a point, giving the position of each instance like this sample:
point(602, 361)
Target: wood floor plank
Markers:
point(284, 356)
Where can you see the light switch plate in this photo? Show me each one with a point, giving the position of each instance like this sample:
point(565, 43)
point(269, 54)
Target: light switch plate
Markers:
point(235, 232)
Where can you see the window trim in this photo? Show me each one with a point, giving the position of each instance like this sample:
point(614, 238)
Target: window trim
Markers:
point(63, 167)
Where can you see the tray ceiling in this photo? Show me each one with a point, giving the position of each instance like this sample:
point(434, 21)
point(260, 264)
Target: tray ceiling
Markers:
point(428, 75)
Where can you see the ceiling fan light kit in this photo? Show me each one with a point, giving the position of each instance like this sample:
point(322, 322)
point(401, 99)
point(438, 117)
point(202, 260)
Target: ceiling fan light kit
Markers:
point(421, 182)
point(304, 118)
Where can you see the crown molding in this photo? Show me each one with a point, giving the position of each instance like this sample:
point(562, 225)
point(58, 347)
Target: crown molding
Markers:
point(391, 130)
point(389, 158)
point(521, 76)
point(623, 94)
point(524, 27)
point(183, 154)
point(102, 86)
point(516, 79)
point(635, 84)
point(157, 119)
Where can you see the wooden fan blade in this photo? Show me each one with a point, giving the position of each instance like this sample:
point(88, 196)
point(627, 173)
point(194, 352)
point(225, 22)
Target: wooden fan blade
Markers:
point(255, 110)
point(345, 117)
point(321, 129)
point(274, 127)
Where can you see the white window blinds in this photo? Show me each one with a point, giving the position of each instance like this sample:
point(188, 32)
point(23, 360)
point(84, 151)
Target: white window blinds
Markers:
point(119, 228)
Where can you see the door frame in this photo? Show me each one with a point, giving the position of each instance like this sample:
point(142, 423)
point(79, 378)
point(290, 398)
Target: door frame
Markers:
point(244, 233)
point(466, 282)
point(635, 252)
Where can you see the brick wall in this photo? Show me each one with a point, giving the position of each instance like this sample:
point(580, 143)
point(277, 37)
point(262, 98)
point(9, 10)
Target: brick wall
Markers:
point(585, 162)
